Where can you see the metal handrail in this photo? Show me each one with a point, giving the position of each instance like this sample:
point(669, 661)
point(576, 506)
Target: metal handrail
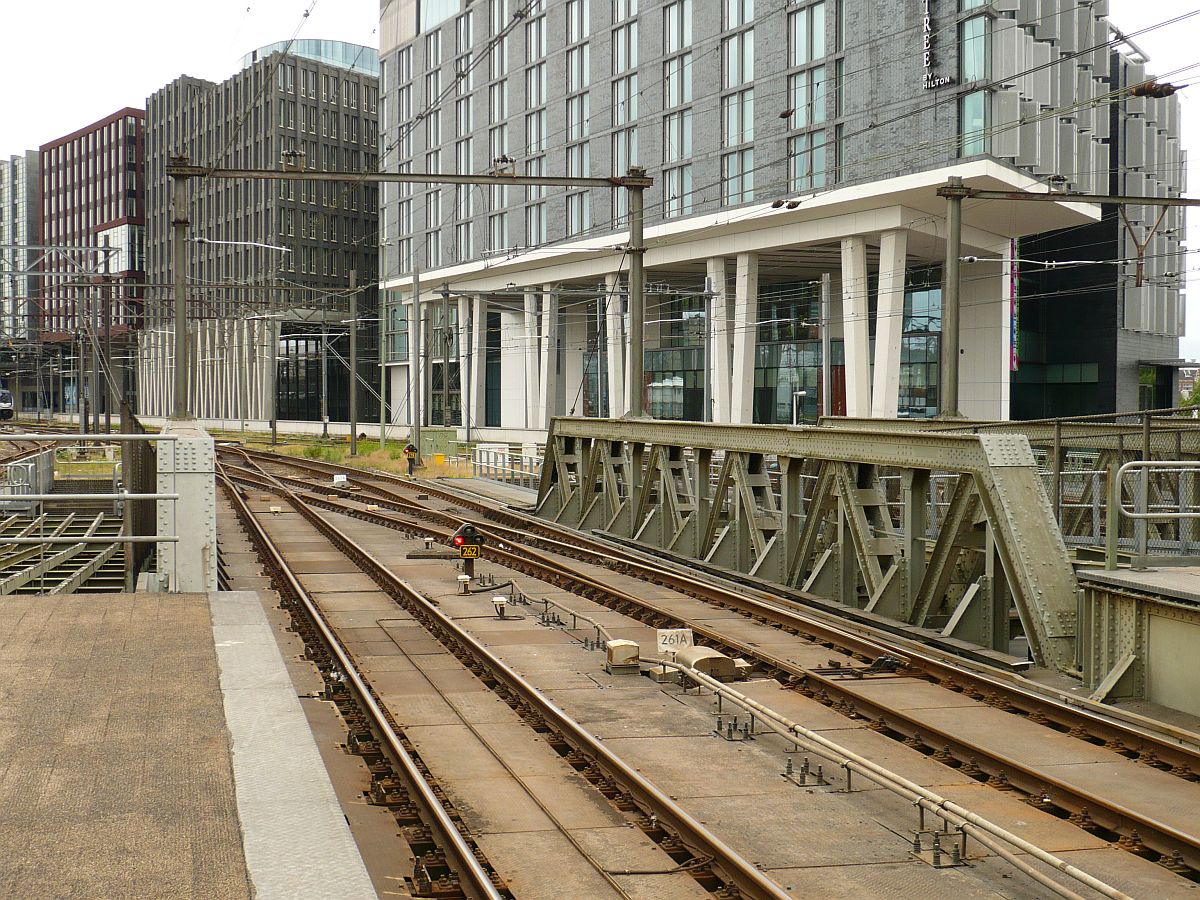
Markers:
point(1117, 508)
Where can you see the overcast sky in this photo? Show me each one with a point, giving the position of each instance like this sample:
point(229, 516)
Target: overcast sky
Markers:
point(68, 63)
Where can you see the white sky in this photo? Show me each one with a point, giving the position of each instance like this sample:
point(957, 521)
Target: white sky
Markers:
point(68, 63)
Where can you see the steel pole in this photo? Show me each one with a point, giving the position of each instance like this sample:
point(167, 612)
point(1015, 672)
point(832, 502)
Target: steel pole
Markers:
point(416, 352)
point(826, 347)
point(95, 342)
point(108, 366)
point(637, 299)
point(179, 223)
point(445, 341)
point(324, 378)
point(954, 192)
point(353, 362)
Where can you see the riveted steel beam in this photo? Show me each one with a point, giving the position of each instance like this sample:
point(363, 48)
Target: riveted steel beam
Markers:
point(740, 523)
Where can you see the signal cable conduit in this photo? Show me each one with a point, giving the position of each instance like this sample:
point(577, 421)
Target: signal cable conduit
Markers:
point(981, 829)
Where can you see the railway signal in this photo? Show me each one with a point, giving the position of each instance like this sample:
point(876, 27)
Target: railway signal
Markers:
point(468, 541)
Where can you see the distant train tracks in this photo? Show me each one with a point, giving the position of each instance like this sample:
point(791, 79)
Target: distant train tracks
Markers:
point(698, 851)
point(1132, 826)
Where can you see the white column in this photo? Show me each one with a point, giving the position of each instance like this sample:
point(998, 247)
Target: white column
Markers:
point(532, 357)
point(464, 350)
point(548, 362)
point(614, 320)
point(412, 399)
point(476, 410)
point(719, 363)
point(745, 334)
point(885, 397)
point(856, 326)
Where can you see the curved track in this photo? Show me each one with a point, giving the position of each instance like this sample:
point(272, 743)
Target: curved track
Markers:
point(1136, 827)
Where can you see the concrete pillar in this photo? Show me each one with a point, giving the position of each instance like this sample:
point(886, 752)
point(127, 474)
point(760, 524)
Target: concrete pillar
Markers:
point(614, 321)
point(187, 467)
point(719, 357)
point(532, 358)
point(745, 339)
point(548, 360)
point(464, 351)
point(475, 405)
point(889, 324)
point(856, 326)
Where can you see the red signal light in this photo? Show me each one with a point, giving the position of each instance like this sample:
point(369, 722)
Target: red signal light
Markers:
point(459, 540)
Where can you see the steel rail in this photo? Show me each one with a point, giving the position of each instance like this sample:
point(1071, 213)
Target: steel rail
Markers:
point(1173, 746)
point(983, 830)
point(734, 868)
point(473, 877)
point(1160, 836)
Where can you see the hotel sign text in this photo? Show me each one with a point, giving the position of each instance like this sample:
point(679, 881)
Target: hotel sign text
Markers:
point(932, 80)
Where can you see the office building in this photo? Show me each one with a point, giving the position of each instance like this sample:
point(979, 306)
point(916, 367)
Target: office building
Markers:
point(795, 239)
point(270, 263)
point(92, 281)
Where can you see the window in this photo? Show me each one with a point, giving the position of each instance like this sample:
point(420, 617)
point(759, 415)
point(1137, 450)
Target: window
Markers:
point(677, 80)
point(498, 101)
point(807, 92)
point(578, 16)
point(806, 34)
point(535, 224)
point(498, 231)
point(738, 12)
point(737, 177)
point(623, 9)
point(677, 135)
point(624, 100)
point(806, 161)
point(578, 68)
point(433, 49)
point(677, 26)
point(463, 118)
point(535, 85)
point(624, 47)
point(677, 189)
point(579, 213)
point(974, 115)
point(973, 50)
point(464, 32)
point(535, 132)
point(737, 118)
point(578, 113)
point(737, 59)
point(535, 39)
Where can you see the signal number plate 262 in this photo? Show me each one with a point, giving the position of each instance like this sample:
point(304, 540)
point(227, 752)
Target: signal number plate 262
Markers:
point(468, 551)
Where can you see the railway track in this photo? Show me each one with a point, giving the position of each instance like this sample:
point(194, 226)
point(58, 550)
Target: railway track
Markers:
point(694, 849)
point(1131, 825)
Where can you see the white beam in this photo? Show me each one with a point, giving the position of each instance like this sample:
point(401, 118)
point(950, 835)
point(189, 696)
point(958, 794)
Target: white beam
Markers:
point(532, 375)
point(476, 410)
point(548, 360)
point(719, 358)
point(745, 332)
point(615, 325)
point(856, 326)
point(889, 324)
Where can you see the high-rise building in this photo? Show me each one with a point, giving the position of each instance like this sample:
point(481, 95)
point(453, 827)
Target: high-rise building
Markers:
point(93, 270)
point(270, 263)
point(795, 238)
point(19, 227)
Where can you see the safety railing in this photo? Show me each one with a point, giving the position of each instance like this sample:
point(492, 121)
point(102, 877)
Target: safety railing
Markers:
point(31, 481)
point(502, 464)
point(1183, 511)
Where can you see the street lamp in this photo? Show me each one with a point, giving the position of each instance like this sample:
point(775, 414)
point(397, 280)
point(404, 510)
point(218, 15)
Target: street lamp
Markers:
point(797, 396)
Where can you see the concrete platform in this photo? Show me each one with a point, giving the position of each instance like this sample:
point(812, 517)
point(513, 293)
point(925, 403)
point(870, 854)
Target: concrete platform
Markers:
point(1178, 582)
point(510, 494)
point(153, 746)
